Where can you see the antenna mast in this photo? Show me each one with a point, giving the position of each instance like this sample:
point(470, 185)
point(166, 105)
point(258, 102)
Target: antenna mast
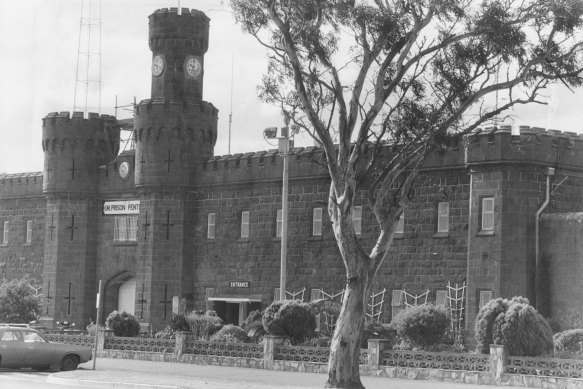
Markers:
point(88, 74)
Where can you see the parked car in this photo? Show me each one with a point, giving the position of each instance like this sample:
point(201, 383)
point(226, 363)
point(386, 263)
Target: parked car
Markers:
point(26, 347)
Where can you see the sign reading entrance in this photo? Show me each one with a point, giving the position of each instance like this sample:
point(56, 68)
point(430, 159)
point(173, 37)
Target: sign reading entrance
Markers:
point(239, 284)
point(128, 207)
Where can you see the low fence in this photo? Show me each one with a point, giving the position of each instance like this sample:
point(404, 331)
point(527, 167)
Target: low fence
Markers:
point(494, 369)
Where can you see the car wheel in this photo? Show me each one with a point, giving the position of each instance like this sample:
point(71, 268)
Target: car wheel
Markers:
point(70, 362)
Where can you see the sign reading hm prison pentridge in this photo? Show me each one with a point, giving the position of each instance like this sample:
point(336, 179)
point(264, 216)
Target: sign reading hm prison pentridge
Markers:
point(126, 207)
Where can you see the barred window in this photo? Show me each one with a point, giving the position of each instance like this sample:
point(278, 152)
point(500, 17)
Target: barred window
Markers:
point(28, 231)
point(356, 216)
point(4, 233)
point(487, 214)
point(317, 222)
point(396, 302)
point(278, 223)
point(212, 220)
point(441, 298)
point(245, 224)
point(443, 217)
point(125, 228)
point(485, 297)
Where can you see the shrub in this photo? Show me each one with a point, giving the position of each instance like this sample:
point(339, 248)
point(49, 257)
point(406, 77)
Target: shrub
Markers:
point(203, 326)
point(253, 325)
point(485, 323)
point(374, 329)
point(570, 340)
point(514, 324)
point(291, 318)
point(18, 302)
point(231, 334)
point(421, 325)
point(123, 324)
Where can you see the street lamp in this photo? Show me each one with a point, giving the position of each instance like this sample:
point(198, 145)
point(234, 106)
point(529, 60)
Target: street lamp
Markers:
point(284, 146)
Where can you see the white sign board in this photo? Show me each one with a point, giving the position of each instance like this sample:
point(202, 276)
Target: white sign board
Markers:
point(128, 207)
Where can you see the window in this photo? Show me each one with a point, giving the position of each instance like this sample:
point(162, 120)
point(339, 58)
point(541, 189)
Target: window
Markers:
point(396, 302)
point(443, 217)
point(441, 298)
point(278, 223)
point(485, 296)
point(28, 231)
point(487, 214)
point(245, 224)
point(357, 219)
point(317, 222)
point(211, 222)
point(11, 336)
point(32, 337)
point(401, 224)
point(5, 233)
point(125, 228)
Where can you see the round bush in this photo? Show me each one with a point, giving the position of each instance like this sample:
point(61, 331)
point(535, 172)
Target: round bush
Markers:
point(231, 334)
point(123, 324)
point(292, 319)
point(570, 340)
point(421, 325)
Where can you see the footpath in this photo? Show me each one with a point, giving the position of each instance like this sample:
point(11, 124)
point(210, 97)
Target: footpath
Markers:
point(129, 374)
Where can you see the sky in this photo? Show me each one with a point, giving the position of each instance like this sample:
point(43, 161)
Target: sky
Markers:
point(39, 41)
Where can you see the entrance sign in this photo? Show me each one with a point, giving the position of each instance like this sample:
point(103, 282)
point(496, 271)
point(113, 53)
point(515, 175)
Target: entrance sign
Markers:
point(127, 207)
point(239, 284)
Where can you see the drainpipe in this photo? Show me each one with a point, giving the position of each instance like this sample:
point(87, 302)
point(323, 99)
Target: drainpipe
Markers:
point(549, 171)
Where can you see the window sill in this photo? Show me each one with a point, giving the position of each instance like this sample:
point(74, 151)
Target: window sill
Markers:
point(27, 244)
point(315, 238)
point(242, 240)
point(441, 235)
point(125, 243)
point(485, 233)
point(398, 235)
point(3, 244)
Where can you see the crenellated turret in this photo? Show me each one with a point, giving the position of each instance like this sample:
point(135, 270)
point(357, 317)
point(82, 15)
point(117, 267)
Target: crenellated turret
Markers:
point(74, 149)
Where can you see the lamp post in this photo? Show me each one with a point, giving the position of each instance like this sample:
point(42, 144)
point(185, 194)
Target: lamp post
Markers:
point(284, 145)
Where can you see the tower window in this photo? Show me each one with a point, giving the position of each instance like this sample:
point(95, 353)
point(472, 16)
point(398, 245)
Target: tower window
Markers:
point(245, 224)
point(443, 217)
point(4, 233)
point(279, 223)
point(487, 214)
point(356, 216)
point(28, 231)
point(317, 222)
point(211, 223)
point(485, 297)
point(125, 228)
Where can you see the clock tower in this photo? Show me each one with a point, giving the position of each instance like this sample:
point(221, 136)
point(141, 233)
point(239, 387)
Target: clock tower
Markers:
point(175, 130)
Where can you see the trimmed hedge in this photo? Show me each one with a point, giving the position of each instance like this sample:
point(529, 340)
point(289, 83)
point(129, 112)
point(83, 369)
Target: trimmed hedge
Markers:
point(421, 325)
point(231, 334)
point(123, 324)
point(570, 340)
point(203, 326)
point(290, 318)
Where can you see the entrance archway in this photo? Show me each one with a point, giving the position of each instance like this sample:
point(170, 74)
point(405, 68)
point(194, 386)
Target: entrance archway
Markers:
point(126, 297)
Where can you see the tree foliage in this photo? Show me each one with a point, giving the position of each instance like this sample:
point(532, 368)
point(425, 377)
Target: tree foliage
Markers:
point(19, 302)
point(416, 73)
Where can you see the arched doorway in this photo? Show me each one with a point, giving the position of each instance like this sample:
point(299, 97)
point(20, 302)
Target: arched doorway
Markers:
point(126, 298)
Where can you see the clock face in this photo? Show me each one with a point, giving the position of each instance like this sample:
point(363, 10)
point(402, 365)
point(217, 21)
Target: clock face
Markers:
point(192, 66)
point(157, 65)
point(124, 170)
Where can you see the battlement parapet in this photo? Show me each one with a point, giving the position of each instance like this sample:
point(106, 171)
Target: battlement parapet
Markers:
point(21, 184)
point(170, 30)
point(531, 144)
point(176, 105)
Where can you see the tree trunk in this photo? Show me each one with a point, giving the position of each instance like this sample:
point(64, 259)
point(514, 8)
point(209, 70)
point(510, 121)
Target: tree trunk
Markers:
point(343, 365)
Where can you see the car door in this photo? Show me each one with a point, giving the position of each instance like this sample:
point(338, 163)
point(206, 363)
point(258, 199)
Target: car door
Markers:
point(39, 352)
point(12, 348)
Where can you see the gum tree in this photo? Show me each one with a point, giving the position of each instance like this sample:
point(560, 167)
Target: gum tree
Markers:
point(381, 84)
